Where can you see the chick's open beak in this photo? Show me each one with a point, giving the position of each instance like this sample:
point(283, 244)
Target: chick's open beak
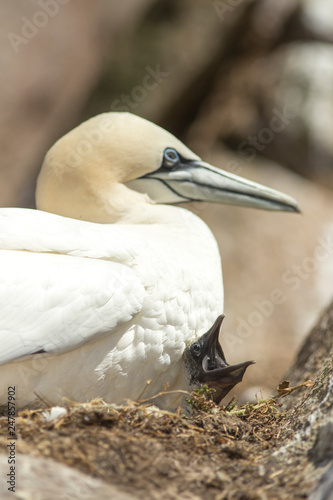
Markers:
point(213, 369)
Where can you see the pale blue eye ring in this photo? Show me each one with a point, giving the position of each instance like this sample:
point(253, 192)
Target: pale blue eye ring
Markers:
point(171, 157)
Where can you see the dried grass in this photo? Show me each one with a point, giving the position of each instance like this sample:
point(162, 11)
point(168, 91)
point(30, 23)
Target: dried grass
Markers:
point(214, 453)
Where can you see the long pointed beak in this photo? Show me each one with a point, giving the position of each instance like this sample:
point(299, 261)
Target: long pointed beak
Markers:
point(200, 181)
point(214, 362)
point(223, 187)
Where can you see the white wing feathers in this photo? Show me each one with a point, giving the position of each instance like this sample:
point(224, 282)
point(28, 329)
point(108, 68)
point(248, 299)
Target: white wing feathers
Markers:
point(54, 303)
point(37, 231)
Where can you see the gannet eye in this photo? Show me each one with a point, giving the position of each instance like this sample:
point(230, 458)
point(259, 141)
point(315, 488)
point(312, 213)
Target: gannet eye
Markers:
point(170, 158)
point(196, 349)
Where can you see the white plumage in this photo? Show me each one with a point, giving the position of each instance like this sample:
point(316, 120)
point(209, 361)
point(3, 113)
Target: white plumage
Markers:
point(106, 295)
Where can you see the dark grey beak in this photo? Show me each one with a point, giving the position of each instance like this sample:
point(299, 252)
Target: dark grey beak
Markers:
point(209, 366)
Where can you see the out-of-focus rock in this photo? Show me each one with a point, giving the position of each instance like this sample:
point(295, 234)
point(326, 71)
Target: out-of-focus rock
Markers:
point(306, 438)
point(45, 479)
point(187, 42)
point(314, 360)
point(318, 15)
point(176, 40)
point(275, 99)
point(296, 84)
point(51, 56)
point(310, 417)
point(278, 106)
point(289, 20)
point(278, 269)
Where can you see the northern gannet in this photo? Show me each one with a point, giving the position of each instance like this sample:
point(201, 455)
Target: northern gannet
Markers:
point(105, 285)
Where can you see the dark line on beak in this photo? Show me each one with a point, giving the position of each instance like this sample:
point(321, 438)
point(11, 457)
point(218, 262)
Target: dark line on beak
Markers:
point(186, 198)
point(287, 208)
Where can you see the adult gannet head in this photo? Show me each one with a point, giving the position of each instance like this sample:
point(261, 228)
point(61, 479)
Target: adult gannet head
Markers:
point(101, 168)
point(206, 364)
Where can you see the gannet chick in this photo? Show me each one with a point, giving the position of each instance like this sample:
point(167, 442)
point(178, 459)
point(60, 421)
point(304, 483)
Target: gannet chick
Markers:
point(206, 364)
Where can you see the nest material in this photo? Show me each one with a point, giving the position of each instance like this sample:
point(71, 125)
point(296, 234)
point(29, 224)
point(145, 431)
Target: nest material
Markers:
point(215, 453)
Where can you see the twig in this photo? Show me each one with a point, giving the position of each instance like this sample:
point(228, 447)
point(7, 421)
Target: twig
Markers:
point(283, 391)
point(164, 393)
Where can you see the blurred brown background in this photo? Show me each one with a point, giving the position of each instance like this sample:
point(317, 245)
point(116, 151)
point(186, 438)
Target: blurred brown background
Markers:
point(248, 85)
